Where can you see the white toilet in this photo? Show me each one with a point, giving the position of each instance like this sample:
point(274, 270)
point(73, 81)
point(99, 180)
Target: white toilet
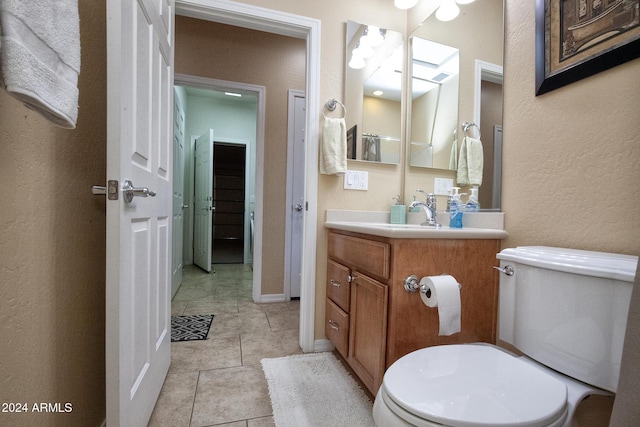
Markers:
point(565, 309)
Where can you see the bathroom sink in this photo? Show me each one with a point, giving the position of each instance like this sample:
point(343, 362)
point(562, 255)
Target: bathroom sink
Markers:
point(416, 231)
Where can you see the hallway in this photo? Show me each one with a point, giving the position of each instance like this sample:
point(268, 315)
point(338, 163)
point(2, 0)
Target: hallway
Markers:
point(219, 381)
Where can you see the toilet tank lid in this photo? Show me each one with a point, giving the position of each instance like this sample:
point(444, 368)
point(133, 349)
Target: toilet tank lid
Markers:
point(588, 263)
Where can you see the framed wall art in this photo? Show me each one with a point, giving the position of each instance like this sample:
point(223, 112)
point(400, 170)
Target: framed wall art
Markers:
point(579, 38)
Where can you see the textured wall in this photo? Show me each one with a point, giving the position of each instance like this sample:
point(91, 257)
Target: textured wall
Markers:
point(52, 249)
point(570, 156)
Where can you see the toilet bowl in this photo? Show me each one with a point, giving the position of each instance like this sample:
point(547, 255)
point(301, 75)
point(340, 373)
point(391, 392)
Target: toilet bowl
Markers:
point(475, 385)
point(556, 307)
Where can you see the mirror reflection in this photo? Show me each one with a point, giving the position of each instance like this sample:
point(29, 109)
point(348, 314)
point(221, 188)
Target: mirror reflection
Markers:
point(373, 92)
point(477, 34)
point(434, 104)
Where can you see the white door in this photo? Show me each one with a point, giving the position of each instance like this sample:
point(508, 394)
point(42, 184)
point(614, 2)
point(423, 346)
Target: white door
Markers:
point(203, 202)
point(138, 248)
point(296, 183)
point(178, 193)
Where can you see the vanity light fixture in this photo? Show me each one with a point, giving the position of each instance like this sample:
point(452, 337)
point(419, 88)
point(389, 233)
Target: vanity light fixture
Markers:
point(371, 37)
point(449, 10)
point(405, 4)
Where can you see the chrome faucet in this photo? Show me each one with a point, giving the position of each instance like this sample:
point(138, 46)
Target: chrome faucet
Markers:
point(429, 209)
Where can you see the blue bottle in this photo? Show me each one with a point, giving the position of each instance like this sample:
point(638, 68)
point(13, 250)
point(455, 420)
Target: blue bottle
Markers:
point(455, 210)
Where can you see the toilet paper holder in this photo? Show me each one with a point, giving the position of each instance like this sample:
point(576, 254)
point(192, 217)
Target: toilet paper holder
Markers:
point(412, 285)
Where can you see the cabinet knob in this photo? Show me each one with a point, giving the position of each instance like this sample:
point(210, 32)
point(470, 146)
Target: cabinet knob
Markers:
point(334, 325)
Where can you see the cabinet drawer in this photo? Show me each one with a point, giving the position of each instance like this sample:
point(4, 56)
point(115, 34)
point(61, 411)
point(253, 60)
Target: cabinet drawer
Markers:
point(337, 327)
point(338, 287)
point(367, 256)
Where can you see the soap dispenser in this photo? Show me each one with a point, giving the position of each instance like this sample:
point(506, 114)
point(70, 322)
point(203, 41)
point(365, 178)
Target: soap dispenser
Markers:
point(398, 212)
point(455, 209)
point(472, 204)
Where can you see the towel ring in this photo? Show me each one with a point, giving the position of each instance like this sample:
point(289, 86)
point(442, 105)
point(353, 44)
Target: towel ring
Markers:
point(331, 106)
point(467, 125)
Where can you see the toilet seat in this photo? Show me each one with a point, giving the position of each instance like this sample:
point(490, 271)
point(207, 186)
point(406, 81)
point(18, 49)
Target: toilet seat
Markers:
point(470, 386)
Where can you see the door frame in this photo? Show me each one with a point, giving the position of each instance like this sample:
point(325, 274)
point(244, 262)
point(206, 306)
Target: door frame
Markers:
point(282, 23)
point(247, 178)
point(260, 93)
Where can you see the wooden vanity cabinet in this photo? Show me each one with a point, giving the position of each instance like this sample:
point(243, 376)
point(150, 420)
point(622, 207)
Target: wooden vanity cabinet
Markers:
point(379, 322)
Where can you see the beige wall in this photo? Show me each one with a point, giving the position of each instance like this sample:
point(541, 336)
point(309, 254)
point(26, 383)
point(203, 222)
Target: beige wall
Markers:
point(52, 249)
point(570, 174)
point(207, 49)
point(570, 156)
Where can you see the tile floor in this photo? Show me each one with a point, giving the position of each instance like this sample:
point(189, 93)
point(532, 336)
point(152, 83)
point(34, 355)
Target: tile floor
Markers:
point(219, 381)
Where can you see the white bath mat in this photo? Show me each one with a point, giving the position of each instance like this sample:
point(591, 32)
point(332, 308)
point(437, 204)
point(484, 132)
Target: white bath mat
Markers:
point(314, 389)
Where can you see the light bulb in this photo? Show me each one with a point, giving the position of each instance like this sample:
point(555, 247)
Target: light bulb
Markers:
point(363, 48)
point(357, 62)
point(464, 1)
point(447, 11)
point(405, 4)
point(374, 37)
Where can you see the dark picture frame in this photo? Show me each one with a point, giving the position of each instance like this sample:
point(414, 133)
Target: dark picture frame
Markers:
point(576, 39)
point(352, 136)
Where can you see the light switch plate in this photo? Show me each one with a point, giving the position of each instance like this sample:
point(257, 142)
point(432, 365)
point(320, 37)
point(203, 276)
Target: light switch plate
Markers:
point(356, 180)
point(442, 186)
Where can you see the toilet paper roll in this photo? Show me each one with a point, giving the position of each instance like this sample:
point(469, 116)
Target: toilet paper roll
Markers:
point(445, 295)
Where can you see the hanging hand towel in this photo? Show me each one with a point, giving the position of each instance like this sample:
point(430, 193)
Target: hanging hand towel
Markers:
point(40, 56)
point(471, 162)
point(453, 158)
point(333, 152)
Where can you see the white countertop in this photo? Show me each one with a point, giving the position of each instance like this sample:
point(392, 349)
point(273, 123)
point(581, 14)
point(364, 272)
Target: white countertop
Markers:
point(478, 225)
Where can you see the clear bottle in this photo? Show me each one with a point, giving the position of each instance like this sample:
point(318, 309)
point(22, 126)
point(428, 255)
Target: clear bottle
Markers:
point(455, 209)
point(472, 204)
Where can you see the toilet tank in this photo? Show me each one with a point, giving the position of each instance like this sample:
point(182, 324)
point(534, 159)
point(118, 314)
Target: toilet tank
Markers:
point(567, 309)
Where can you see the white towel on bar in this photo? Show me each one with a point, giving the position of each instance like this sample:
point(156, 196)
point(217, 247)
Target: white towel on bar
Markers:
point(40, 56)
point(471, 162)
point(333, 151)
point(453, 157)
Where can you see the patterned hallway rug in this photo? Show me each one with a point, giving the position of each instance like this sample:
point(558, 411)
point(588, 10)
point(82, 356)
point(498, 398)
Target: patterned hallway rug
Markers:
point(190, 328)
point(314, 389)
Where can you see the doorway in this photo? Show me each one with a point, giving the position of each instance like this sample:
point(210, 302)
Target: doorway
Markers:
point(229, 201)
point(308, 29)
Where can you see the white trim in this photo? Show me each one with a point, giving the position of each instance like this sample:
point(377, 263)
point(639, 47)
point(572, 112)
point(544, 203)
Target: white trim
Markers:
point(323, 345)
point(268, 298)
point(247, 16)
point(484, 71)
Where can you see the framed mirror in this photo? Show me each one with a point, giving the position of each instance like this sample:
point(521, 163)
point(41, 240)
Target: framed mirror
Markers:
point(373, 93)
point(477, 34)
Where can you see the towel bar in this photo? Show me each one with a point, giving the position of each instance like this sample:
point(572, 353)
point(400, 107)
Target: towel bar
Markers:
point(467, 125)
point(331, 106)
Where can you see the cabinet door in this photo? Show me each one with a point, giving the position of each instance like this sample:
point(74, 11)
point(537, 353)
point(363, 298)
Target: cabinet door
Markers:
point(368, 330)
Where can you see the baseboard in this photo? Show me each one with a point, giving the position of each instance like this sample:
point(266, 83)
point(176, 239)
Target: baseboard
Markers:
point(322, 345)
point(272, 298)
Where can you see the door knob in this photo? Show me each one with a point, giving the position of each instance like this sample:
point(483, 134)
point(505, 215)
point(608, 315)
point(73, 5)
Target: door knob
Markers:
point(298, 207)
point(130, 191)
